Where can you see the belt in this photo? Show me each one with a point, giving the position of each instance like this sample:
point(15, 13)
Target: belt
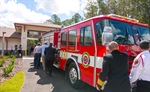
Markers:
point(37, 53)
point(143, 83)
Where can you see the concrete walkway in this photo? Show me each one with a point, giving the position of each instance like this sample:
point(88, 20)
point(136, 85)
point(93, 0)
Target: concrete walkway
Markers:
point(34, 78)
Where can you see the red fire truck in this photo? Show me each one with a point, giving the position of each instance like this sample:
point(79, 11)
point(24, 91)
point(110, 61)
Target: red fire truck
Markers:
point(82, 45)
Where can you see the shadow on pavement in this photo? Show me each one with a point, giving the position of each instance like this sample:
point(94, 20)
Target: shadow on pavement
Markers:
point(57, 82)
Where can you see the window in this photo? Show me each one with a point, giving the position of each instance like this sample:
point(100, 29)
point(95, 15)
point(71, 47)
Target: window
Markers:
point(122, 32)
point(72, 37)
point(86, 36)
point(99, 26)
point(140, 33)
point(63, 38)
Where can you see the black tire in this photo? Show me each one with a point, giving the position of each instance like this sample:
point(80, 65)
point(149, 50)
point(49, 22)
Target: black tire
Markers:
point(72, 77)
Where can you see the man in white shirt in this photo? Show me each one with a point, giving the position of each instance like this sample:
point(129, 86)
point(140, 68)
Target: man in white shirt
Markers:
point(43, 55)
point(37, 56)
point(140, 72)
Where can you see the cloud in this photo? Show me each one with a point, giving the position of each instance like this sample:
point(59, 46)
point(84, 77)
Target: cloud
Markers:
point(59, 6)
point(11, 12)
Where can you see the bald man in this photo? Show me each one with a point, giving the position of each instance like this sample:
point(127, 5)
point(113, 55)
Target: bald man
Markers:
point(115, 69)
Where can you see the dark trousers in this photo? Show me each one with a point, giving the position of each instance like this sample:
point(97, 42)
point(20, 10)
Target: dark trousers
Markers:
point(11, 52)
point(142, 86)
point(19, 53)
point(37, 59)
point(49, 65)
point(143, 89)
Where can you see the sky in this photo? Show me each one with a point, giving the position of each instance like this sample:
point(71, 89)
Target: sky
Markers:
point(37, 11)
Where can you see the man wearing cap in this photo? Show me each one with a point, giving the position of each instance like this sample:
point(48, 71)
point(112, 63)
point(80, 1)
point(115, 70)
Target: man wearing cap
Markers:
point(43, 55)
point(115, 69)
point(37, 56)
point(140, 72)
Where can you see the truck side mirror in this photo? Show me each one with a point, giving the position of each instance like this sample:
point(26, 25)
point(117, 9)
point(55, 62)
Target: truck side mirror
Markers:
point(107, 35)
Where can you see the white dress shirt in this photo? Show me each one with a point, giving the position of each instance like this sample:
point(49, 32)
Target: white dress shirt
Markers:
point(43, 48)
point(141, 67)
point(38, 49)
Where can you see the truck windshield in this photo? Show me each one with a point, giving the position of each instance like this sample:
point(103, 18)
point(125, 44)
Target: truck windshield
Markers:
point(122, 32)
point(140, 33)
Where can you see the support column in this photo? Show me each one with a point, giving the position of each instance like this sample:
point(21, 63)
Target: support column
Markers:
point(24, 40)
point(3, 43)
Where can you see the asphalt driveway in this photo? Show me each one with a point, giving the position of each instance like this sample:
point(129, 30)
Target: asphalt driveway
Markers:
point(36, 80)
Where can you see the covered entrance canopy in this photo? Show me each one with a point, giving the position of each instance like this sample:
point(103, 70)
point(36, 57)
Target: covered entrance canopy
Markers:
point(33, 31)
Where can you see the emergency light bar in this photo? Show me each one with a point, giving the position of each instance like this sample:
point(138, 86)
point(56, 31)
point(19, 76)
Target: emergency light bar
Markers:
point(123, 17)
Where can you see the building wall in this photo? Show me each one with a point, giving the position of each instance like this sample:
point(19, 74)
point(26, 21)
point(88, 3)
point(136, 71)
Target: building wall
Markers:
point(13, 42)
point(8, 43)
point(1, 45)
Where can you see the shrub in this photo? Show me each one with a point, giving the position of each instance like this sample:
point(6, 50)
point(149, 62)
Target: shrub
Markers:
point(6, 57)
point(10, 56)
point(14, 56)
point(1, 57)
point(5, 71)
point(12, 61)
point(8, 69)
point(1, 63)
point(13, 84)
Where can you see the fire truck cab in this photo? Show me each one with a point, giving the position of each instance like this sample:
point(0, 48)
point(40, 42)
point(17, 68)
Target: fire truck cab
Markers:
point(81, 46)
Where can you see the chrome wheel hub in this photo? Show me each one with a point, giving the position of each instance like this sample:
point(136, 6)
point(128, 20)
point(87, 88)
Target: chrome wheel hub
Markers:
point(73, 75)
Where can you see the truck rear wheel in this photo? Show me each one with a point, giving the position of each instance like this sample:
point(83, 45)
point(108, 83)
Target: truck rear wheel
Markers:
point(72, 77)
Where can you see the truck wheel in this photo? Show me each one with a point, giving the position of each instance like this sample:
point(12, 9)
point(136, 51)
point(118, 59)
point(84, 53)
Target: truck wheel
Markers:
point(72, 77)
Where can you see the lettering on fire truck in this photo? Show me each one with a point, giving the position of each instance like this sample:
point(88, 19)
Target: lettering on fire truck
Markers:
point(63, 54)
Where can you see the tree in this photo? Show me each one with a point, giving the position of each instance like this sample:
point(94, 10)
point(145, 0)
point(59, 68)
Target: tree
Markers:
point(56, 19)
point(102, 7)
point(49, 21)
point(91, 9)
point(31, 42)
point(67, 22)
point(138, 9)
point(141, 10)
point(120, 7)
point(77, 18)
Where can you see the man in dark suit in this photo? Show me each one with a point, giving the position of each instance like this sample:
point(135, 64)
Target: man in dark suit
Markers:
point(49, 58)
point(115, 69)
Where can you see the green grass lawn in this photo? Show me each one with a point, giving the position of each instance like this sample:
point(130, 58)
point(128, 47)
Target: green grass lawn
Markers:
point(13, 84)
